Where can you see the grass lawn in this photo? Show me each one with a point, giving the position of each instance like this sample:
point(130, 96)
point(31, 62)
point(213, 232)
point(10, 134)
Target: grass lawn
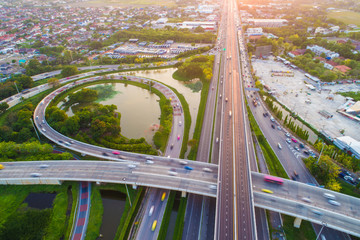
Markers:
point(305, 232)
point(348, 17)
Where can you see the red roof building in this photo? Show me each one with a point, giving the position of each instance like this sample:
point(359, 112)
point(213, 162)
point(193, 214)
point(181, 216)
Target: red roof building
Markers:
point(342, 68)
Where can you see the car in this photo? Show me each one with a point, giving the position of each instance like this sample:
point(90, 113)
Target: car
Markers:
point(105, 154)
point(305, 199)
point(172, 172)
point(183, 162)
point(329, 196)
point(272, 125)
point(44, 166)
point(220, 96)
point(207, 170)
point(265, 114)
point(306, 152)
point(230, 113)
point(37, 117)
point(279, 146)
point(279, 128)
point(188, 168)
point(163, 196)
point(1, 166)
point(226, 99)
point(213, 187)
point(294, 140)
point(178, 137)
point(317, 212)
point(333, 202)
point(149, 161)
point(67, 143)
point(297, 149)
point(149, 158)
point(171, 146)
point(116, 152)
point(217, 140)
point(35, 174)
point(151, 210)
point(180, 123)
point(131, 166)
point(301, 145)
point(287, 135)
point(43, 129)
point(272, 119)
point(60, 141)
point(293, 177)
point(267, 190)
point(72, 141)
point(154, 225)
point(43, 121)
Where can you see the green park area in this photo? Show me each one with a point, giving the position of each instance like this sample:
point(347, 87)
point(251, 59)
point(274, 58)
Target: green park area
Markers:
point(348, 17)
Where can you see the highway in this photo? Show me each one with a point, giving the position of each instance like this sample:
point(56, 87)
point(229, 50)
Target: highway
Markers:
point(235, 211)
point(150, 175)
point(286, 198)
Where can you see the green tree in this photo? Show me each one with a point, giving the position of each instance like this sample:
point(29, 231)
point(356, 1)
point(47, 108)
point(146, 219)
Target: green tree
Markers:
point(53, 82)
point(69, 71)
point(3, 107)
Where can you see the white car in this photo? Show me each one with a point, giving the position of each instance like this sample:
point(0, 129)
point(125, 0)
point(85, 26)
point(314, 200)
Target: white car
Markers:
point(333, 202)
point(131, 166)
point(151, 210)
point(207, 170)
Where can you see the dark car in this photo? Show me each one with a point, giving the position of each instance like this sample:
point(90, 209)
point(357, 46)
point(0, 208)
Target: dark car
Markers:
point(306, 152)
point(105, 154)
point(272, 125)
point(172, 146)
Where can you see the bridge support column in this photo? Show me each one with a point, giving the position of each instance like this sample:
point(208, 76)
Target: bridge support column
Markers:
point(297, 222)
point(134, 186)
point(183, 194)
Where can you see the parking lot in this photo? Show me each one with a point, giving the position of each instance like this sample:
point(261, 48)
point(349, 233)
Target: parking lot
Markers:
point(294, 92)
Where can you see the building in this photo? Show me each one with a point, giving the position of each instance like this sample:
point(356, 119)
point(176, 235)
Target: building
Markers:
point(297, 52)
point(254, 32)
point(342, 68)
point(204, 25)
point(348, 144)
point(319, 50)
point(268, 22)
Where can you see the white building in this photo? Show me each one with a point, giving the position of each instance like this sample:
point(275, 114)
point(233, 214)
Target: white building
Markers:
point(205, 25)
point(319, 50)
point(268, 22)
point(254, 31)
point(161, 21)
point(348, 144)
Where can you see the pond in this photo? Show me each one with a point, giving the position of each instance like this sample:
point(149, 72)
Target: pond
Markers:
point(191, 97)
point(114, 205)
point(40, 200)
point(140, 110)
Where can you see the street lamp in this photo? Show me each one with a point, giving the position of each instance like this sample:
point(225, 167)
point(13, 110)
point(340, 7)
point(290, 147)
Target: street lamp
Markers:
point(35, 129)
point(323, 225)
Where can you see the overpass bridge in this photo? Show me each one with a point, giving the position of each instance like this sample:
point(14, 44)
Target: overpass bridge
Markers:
point(286, 198)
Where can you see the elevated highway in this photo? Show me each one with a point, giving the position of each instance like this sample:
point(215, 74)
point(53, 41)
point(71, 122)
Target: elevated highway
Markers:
point(286, 198)
point(150, 175)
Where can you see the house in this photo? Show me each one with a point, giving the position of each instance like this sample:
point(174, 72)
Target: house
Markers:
point(297, 52)
point(342, 68)
point(330, 65)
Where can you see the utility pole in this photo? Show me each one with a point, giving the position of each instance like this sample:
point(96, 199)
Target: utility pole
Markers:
point(323, 145)
point(127, 191)
point(35, 130)
point(16, 87)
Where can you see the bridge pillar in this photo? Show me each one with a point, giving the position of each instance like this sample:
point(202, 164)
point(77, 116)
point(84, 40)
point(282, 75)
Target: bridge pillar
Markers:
point(297, 222)
point(183, 194)
point(134, 186)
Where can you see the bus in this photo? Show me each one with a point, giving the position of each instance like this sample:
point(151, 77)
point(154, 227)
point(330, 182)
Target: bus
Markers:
point(272, 179)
